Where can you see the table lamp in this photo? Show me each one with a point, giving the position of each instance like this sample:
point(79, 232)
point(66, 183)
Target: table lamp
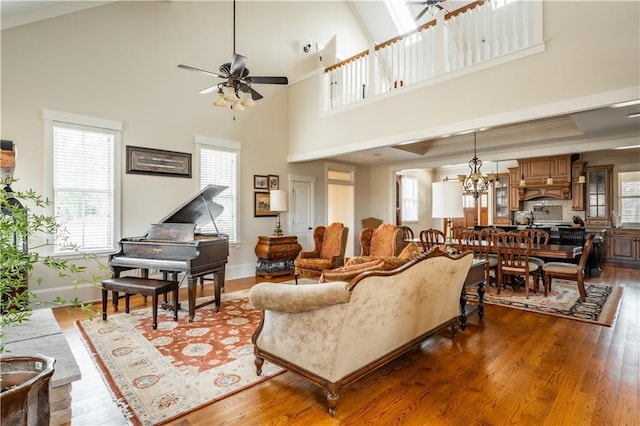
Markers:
point(447, 204)
point(278, 203)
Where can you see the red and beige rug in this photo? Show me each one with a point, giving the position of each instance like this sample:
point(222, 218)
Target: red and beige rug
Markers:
point(601, 306)
point(158, 375)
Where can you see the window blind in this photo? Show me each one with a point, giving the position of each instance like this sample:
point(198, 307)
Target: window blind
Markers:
point(409, 199)
point(220, 167)
point(83, 187)
point(629, 194)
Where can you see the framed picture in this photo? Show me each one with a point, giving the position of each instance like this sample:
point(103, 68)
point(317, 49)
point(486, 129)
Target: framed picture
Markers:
point(262, 205)
point(148, 161)
point(260, 182)
point(274, 182)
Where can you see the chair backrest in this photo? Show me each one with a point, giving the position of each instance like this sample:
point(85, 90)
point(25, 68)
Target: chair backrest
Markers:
point(538, 236)
point(585, 252)
point(513, 249)
point(386, 240)
point(492, 231)
point(430, 238)
point(457, 230)
point(407, 233)
point(371, 222)
point(475, 241)
point(334, 240)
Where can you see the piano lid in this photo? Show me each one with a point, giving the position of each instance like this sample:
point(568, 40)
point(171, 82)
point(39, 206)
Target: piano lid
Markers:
point(200, 209)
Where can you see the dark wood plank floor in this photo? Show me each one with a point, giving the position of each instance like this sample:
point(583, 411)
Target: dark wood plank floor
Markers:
point(514, 367)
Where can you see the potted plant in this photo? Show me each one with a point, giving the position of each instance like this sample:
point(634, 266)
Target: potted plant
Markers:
point(25, 380)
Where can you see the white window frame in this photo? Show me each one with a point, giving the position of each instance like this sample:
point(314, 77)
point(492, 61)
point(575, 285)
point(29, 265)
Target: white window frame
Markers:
point(50, 118)
point(204, 142)
point(620, 221)
point(410, 204)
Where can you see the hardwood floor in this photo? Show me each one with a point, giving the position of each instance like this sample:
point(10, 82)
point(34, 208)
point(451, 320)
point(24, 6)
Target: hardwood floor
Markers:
point(514, 367)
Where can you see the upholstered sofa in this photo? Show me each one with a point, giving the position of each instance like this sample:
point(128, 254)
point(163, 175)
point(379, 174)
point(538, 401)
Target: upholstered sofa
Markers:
point(334, 333)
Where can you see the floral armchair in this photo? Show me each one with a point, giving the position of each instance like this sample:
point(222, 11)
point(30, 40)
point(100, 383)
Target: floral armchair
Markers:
point(330, 245)
point(386, 240)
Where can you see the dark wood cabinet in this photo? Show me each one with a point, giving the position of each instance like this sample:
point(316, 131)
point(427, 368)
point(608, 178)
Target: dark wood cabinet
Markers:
point(578, 182)
point(598, 196)
point(623, 246)
point(537, 170)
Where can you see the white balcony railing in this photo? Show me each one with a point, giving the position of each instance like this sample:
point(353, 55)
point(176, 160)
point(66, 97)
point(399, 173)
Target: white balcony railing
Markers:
point(479, 32)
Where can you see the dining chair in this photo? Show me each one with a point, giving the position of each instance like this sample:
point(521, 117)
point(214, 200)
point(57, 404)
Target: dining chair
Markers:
point(407, 233)
point(513, 250)
point(538, 236)
point(492, 231)
point(569, 271)
point(430, 238)
point(477, 242)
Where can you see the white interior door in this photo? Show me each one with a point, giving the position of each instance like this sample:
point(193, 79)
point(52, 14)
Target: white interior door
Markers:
point(301, 215)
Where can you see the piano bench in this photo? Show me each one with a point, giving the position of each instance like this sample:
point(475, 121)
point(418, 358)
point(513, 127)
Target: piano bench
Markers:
point(142, 286)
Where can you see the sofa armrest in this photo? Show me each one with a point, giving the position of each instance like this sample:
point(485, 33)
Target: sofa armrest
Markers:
point(298, 298)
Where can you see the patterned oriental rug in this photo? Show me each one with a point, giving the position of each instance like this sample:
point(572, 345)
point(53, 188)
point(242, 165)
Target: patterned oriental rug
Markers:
point(601, 306)
point(158, 375)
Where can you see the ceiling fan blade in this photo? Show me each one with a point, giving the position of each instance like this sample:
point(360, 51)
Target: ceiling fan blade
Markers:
point(268, 80)
point(238, 63)
point(209, 89)
point(417, 18)
point(244, 87)
point(187, 67)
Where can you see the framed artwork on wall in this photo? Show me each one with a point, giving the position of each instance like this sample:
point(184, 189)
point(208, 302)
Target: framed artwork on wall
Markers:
point(260, 182)
point(149, 161)
point(274, 182)
point(262, 205)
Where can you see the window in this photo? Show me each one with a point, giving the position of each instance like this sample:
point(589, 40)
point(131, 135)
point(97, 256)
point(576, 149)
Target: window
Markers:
point(83, 180)
point(218, 164)
point(629, 197)
point(409, 199)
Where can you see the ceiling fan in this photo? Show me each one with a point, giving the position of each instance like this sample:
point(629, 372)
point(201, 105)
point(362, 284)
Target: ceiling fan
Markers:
point(237, 79)
point(431, 6)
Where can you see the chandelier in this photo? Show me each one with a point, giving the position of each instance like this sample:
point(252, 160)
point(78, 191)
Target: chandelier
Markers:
point(476, 183)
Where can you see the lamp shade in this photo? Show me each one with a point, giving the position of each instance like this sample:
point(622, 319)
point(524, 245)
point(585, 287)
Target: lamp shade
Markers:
point(446, 200)
point(278, 200)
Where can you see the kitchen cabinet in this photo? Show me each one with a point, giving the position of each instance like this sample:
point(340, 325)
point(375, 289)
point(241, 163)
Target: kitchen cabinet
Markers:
point(514, 195)
point(537, 170)
point(577, 188)
point(501, 206)
point(598, 196)
point(623, 246)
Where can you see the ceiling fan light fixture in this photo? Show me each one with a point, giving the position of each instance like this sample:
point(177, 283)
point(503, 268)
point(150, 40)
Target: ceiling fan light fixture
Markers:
point(247, 100)
point(230, 95)
point(219, 101)
point(237, 106)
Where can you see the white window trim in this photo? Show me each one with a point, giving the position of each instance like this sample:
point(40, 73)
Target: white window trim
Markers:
point(50, 117)
point(226, 145)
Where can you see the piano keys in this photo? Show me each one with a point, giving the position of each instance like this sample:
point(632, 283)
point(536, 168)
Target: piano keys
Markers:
point(175, 246)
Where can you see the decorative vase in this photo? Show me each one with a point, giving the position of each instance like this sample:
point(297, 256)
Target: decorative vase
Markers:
point(25, 389)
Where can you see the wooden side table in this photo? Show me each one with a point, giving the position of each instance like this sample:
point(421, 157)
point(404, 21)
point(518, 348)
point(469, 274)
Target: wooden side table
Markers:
point(276, 255)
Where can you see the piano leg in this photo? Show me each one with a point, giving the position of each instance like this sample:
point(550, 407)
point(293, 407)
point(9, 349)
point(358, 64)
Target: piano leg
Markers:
point(191, 294)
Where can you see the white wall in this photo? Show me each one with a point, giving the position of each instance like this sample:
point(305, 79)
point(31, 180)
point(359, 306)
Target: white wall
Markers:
point(592, 58)
point(118, 61)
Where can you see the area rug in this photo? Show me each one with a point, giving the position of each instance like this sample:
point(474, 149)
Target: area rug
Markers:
point(601, 306)
point(158, 375)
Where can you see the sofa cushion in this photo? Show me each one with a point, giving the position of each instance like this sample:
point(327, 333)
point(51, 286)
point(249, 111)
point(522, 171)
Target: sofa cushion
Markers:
point(346, 273)
point(410, 252)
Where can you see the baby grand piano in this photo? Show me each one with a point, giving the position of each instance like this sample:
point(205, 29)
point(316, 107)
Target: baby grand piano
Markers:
point(173, 246)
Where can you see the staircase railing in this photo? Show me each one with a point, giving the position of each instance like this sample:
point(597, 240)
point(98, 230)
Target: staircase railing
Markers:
point(476, 33)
